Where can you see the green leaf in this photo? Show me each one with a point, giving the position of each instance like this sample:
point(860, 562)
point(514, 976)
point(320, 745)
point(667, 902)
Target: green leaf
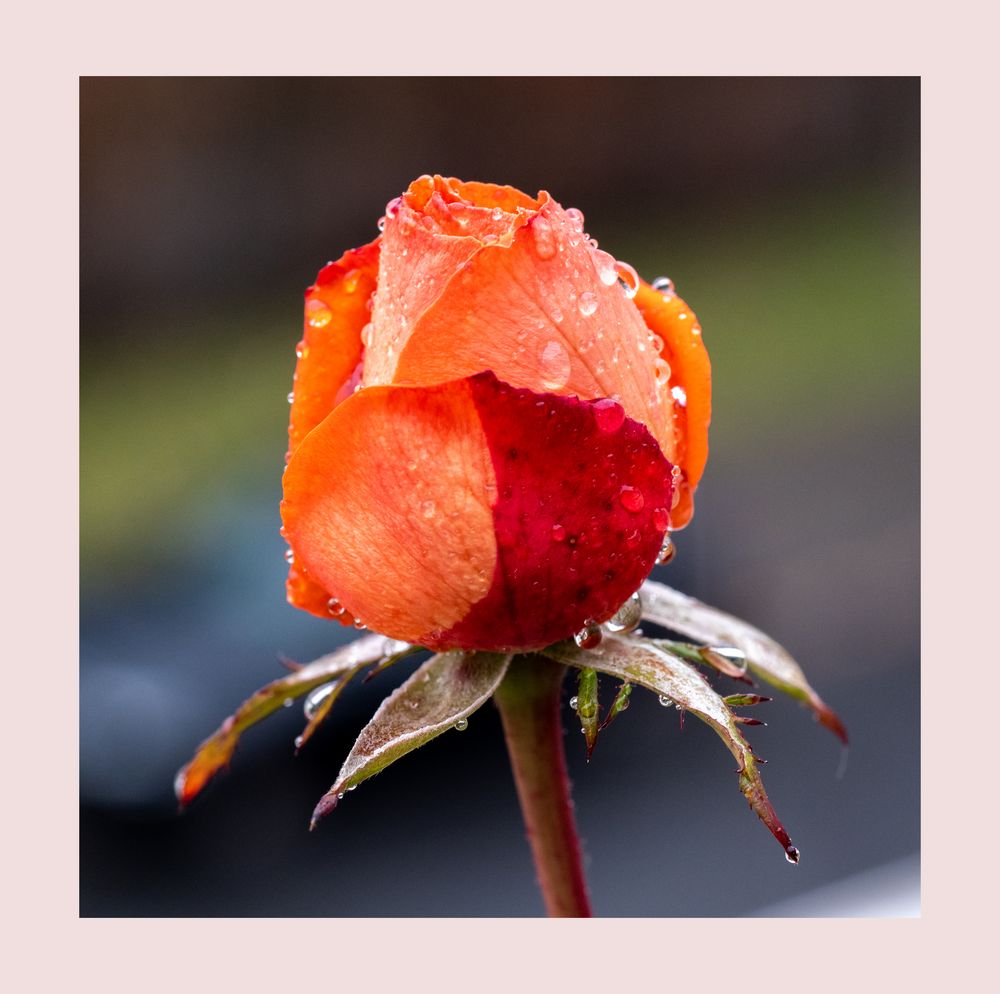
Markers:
point(641, 661)
point(216, 751)
point(440, 694)
point(766, 658)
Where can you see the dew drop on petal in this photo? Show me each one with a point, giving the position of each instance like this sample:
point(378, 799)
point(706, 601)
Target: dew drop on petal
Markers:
point(317, 313)
point(667, 552)
point(575, 217)
point(609, 414)
point(359, 624)
point(607, 267)
point(291, 397)
point(392, 207)
point(631, 499)
point(664, 285)
point(665, 702)
point(680, 396)
point(574, 702)
point(661, 371)
point(462, 724)
point(587, 303)
point(334, 607)
point(289, 556)
point(555, 365)
point(545, 242)
point(627, 617)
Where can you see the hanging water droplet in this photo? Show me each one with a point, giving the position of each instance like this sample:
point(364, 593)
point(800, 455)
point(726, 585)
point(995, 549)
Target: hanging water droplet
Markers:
point(730, 655)
point(575, 217)
point(792, 855)
point(555, 365)
point(574, 703)
point(680, 396)
point(588, 637)
point(609, 414)
point(299, 741)
point(392, 207)
point(288, 702)
point(301, 350)
point(587, 303)
point(334, 607)
point(665, 702)
point(627, 617)
point(664, 285)
point(667, 551)
point(462, 724)
point(315, 698)
point(317, 313)
point(628, 278)
point(289, 556)
point(631, 499)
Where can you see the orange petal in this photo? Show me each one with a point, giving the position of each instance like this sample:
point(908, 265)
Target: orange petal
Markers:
point(690, 385)
point(430, 232)
point(336, 311)
point(544, 311)
point(329, 354)
point(387, 507)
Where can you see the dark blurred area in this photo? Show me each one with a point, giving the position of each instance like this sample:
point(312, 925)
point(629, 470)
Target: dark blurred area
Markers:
point(787, 213)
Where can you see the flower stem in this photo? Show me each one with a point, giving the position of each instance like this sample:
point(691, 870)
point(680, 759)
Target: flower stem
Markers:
point(528, 700)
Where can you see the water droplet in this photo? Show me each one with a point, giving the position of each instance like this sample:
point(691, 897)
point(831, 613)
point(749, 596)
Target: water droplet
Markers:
point(587, 303)
point(366, 334)
point(359, 624)
point(588, 637)
point(661, 371)
point(287, 702)
point(575, 217)
point(628, 278)
point(381, 224)
point(317, 313)
point(545, 241)
point(574, 703)
point(496, 213)
point(334, 607)
point(289, 556)
point(627, 617)
point(664, 285)
point(631, 499)
point(680, 396)
point(665, 702)
point(315, 698)
point(558, 533)
point(301, 350)
point(667, 552)
point(555, 365)
point(428, 508)
point(609, 414)
point(730, 655)
point(607, 267)
point(299, 740)
point(462, 724)
point(792, 855)
point(291, 397)
point(392, 208)
point(557, 315)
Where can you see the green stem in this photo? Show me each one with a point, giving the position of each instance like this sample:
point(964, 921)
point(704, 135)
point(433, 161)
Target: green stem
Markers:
point(528, 700)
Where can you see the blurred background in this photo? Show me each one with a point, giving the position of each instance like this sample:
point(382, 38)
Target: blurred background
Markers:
point(787, 213)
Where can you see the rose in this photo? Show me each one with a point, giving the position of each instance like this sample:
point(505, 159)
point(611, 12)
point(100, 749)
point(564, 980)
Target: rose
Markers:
point(493, 425)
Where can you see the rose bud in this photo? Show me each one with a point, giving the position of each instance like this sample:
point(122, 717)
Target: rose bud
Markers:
point(493, 425)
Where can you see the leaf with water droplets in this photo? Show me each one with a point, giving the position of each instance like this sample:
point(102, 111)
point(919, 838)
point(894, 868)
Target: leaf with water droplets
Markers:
point(766, 658)
point(216, 751)
point(587, 707)
point(640, 661)
point(439, 695)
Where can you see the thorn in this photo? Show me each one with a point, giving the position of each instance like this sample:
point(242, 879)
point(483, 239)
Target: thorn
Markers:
point(289, 664)
point(326, 804)
point(748, 721)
